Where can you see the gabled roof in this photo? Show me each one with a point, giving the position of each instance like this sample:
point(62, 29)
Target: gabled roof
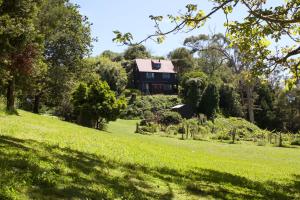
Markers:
point(146, 65)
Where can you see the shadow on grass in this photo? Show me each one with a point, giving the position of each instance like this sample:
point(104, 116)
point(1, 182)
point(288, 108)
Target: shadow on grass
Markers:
point(42, 171)
point(11, 112)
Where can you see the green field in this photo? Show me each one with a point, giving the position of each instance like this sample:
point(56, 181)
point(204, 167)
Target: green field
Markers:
point(42, 157)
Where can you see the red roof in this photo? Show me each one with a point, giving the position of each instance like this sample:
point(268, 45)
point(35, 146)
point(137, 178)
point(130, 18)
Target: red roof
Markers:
point(146, 65)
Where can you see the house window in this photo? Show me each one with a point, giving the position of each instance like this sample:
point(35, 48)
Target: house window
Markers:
point(166, 76)
point(145, 86)
point(167, 87)
point(156, 65)
point(150, 75)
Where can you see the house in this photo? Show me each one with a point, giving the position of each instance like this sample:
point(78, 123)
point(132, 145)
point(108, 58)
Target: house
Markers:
point(155, 76)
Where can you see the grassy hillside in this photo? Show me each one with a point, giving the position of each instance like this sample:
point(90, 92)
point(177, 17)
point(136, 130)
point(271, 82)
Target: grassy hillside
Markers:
point(44, 158)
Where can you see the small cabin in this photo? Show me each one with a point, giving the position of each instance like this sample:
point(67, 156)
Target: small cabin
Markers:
point(155, 76)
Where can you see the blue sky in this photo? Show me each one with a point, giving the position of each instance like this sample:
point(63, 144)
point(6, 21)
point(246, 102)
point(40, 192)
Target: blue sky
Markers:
point(133, 16)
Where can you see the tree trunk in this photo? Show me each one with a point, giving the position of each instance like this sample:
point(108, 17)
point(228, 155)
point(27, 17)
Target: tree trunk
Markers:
point(250, 103)
point(10, 96)
point(280, 140)
point(36, 103)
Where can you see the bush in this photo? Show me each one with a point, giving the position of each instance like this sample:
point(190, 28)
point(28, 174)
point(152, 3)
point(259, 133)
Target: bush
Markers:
point(144, 127)
point(261, 143)
point(172, 130)
point(148, 116)
point(138, 106)
point(244, 129)
point(209, 102)
point(170, 117)
point(296, 142)
point(150, 128)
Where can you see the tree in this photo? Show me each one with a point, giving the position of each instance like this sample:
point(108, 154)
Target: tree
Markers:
point(131, 53)
point(230, 104)
point(95, 104)
point(134, 52)
point(209, 102)
point(210, 50)
point(113, 56)
point(111, 72)
point(19, 41)
point(217, 49)
point(287, 106)
point(193, 84)
point(182, 59)
point(67, 41)
point(265, 115)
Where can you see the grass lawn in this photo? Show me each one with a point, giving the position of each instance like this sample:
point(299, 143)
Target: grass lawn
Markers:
point(42, 157)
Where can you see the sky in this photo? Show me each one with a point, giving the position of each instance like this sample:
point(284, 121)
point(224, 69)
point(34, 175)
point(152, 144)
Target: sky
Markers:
point(133, 16)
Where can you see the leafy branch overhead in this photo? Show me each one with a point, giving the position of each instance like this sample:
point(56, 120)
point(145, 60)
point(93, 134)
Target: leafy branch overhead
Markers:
point(262, 25)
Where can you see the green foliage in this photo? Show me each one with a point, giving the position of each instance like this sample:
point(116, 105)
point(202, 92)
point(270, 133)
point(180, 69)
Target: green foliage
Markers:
point(193, 84)
point(211, 51)
point(244, 130)
point(296, 142)
point(182, 59)
point(96, 103)
point(138, 106)
point(230, 101)
point(287, 107)
point(149, 116)
point(136, 51)
point(67, 39)
point(113, 56)
point(167, 118)
point(209, 102)
point(111, 72)
point(20, 42)
point(265, 116)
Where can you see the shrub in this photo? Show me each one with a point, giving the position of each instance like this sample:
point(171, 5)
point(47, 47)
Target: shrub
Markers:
point(296, 142)
point(223, 136)
point(170, 117)
point(230, 101)
point(96, 103)
point(143, 122)
point(148, 116)
point(261, 143)
point(172, 130)
point(209, 102)
point(244, 129)
point(151, 128)
point(144, 128)
point(138, 106)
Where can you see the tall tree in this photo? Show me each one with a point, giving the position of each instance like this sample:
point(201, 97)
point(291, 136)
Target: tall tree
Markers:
point(67, 41)
point(138, 51)
point(19, 41)
point(182, 59)
point(210, 50)
point(209, 102)
point(230, 102)
point(111, 72)
point(193, 84)
point(131, 53)
point(265, 115)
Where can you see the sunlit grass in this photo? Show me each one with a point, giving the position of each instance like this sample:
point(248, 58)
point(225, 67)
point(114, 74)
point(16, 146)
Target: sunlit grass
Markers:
point(42, 157)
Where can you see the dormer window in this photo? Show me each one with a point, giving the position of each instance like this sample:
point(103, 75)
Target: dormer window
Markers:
point(156, 65)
